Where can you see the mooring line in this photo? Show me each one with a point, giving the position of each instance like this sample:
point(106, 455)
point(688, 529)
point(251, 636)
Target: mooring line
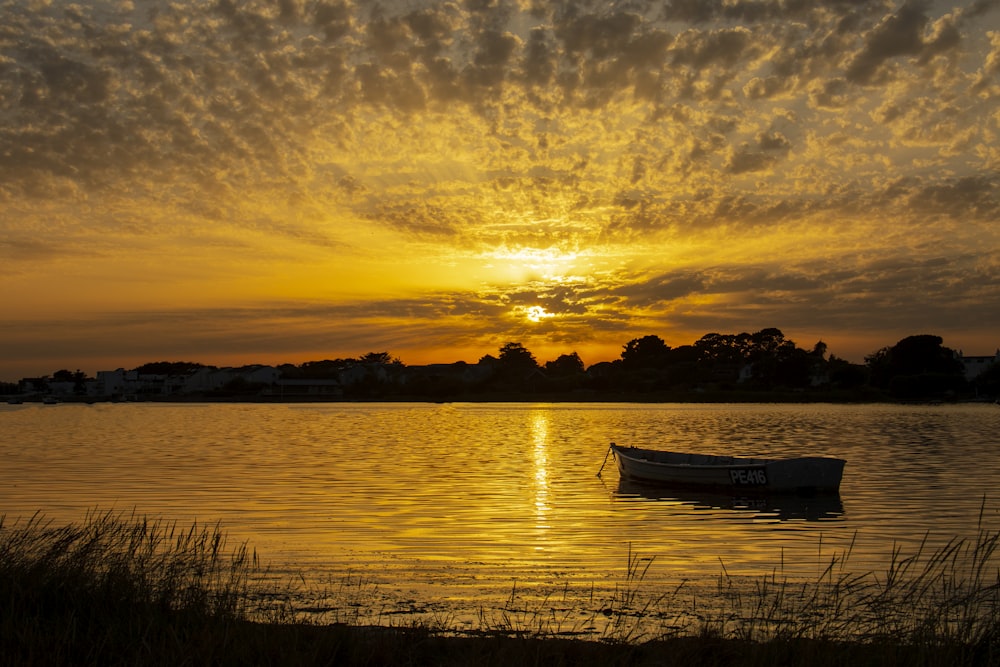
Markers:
point(605, 460)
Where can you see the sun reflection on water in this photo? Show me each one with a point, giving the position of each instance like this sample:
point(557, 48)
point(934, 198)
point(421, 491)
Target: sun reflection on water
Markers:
point(540, 440)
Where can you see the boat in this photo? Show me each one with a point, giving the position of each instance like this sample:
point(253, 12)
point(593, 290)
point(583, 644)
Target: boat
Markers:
point(798, 474)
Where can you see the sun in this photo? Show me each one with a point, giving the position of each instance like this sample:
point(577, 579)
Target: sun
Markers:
point(538, 313)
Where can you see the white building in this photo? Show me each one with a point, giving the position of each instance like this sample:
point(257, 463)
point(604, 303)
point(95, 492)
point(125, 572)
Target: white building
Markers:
point(116, 383)
point(975, 366)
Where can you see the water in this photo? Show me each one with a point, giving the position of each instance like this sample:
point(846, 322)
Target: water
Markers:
point(448, 508)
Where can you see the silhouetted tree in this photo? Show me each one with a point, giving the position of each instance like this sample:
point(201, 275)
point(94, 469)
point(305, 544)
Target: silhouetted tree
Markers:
point(78, 378)
point(916, 366)
point(380, 358)
point(878, 366)
point(646, 352)
point(721, 356)
point(777, 361)
point(566, 364)
point(723, 349)
point(845, 375)
point(794, 369)
point(770, 343)
point(924, 354)
point(79, 382)
point(515, 368)
point(681, 366)
point(514, 357)
point(325, 369)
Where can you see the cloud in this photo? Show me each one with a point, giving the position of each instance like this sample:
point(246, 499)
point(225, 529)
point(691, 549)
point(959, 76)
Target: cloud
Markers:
point(233, 135)
point(898, 34)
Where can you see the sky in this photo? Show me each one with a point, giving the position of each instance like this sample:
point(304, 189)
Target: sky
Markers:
point(234, 182)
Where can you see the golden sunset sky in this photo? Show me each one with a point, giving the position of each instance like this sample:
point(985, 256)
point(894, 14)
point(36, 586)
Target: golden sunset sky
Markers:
point(274, 181)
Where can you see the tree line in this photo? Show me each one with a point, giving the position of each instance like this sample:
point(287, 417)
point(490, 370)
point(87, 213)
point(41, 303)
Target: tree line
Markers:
point(716, 366)
point(916, 367)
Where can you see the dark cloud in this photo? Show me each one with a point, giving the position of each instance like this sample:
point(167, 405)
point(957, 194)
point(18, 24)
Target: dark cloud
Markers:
point(946, 38)
point(751, 11)
point(834, 294)
point(981, 7)
point(540, 61)
point(896, 35)
point(419, 218)
point(333, 18)
point(971, 198)
point(831, 94)
point(158, 94)
point(767, 150)
point(699, 49)
point(666, 287)
point(597, 36)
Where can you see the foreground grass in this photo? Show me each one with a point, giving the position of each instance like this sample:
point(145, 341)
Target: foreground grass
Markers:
point(126, 590)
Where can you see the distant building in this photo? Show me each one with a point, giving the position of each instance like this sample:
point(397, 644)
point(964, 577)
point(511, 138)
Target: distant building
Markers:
point(116, 383)
point(206, 378)
point(975, 366)
point(356, 373)
point(459, 372)
point(258, 374)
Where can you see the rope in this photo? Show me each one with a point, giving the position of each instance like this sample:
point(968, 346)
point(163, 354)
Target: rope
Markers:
point(605, 460)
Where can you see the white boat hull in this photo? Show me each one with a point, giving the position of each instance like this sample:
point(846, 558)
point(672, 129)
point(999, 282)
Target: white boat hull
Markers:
point(806, 473)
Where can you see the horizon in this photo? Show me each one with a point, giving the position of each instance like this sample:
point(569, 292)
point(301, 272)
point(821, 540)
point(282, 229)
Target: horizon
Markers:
point(539, 359)
point(254, 181)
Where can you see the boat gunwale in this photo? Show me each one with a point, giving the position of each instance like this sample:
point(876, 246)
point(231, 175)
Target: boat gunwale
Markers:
point(732, 461)
point(729, 461)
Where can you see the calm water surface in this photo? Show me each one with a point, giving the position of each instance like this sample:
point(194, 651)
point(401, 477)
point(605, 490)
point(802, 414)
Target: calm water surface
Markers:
point(455, 504)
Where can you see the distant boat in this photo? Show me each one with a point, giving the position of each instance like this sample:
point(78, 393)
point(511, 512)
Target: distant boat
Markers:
point(805, 473)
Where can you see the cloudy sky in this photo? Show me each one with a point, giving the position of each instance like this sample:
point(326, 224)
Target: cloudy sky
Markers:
point(230, 181)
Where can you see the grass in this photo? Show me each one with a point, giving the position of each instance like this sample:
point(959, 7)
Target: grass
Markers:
point(121, 589)
point(946, 597)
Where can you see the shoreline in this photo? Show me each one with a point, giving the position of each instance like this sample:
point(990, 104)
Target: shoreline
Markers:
point(683, 397)
point(380, 645)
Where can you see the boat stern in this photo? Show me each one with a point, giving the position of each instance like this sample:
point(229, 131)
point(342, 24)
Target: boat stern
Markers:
point(807, 473)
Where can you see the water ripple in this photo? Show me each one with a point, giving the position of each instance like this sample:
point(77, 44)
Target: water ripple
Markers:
point(468, 498)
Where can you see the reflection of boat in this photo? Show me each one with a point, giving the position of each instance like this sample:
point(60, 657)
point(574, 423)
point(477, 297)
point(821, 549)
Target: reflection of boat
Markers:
point(805, 473)
point(781, 506)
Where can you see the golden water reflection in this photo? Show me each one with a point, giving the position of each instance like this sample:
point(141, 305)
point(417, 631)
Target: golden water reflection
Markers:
point(539, 427)
point(456, 502)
